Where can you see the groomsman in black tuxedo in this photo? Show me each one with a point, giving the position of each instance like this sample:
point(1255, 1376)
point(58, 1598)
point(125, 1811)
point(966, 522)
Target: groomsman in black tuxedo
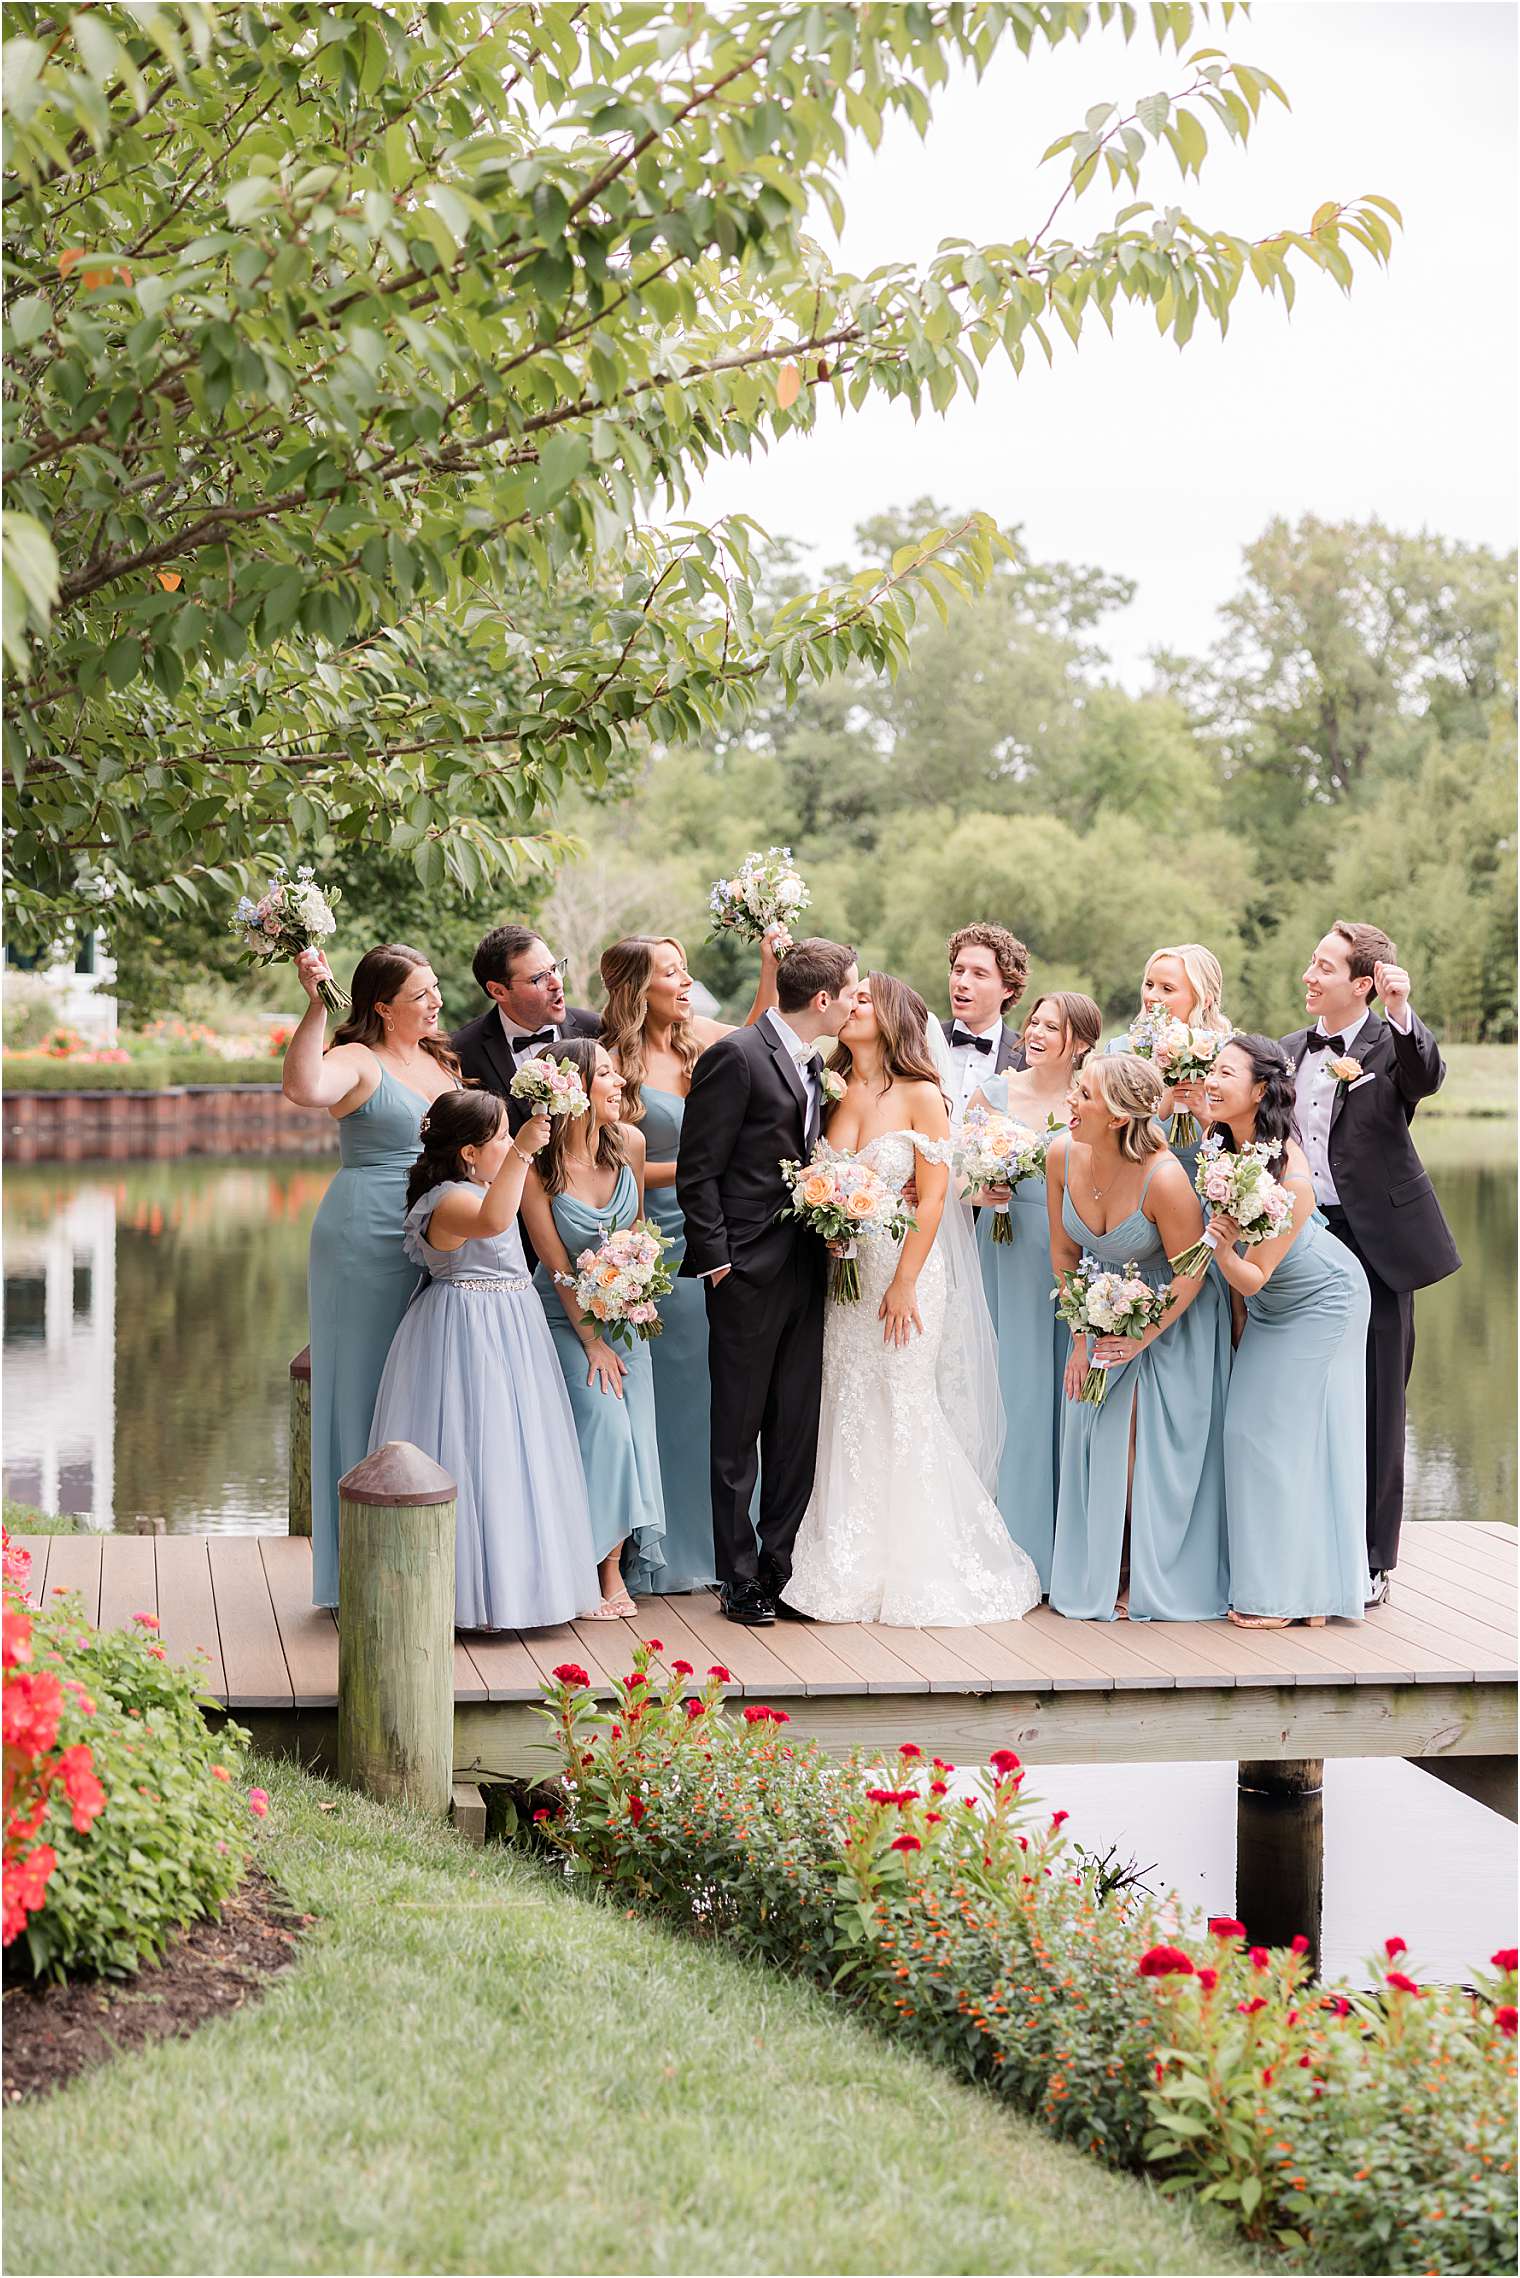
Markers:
point(989, 968)
point(756, 1101)
point(1359, 1082)
point(527, 1013)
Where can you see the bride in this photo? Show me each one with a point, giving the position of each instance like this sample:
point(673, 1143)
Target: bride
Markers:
point(901, 1527)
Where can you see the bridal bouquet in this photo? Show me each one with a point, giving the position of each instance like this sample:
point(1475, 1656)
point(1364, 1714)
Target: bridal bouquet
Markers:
point(765, 890)
point(291, 915)
point(1180, 1054)
point(1095, 1301)
point(998, 1150)
point(1242, 1187)
point(550, 1087)
point(620, 1282)
point(844, 1202)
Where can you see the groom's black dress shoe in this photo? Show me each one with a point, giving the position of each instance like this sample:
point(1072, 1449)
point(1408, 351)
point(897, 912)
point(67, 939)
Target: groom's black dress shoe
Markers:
point(773, 1582)
point(746, 1602)
point(784, 1612)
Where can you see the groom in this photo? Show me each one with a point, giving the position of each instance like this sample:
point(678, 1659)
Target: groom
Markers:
point(756, 1100)
point(1359, 1080)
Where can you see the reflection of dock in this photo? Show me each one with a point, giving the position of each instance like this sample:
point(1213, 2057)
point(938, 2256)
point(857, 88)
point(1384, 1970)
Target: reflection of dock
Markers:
point(60, 1358)
point(1430, 1677)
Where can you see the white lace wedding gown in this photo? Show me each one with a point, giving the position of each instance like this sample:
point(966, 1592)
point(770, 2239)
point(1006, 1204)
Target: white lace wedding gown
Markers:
point(899, 1528)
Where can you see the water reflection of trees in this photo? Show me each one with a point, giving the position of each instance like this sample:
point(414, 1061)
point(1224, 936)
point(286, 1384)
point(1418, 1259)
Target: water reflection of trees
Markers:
point(1462, 1394)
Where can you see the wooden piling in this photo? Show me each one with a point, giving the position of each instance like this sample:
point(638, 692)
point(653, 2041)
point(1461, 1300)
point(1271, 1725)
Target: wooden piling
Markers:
point(396, 1627)
point(299, 1453)
point(1280, 1850)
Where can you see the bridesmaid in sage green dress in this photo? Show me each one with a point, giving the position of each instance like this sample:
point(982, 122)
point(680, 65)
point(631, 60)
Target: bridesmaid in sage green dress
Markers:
point(385, 1067)
point(655, 1038)
point(1295, 1431)
point(588, 1182)
point(1060, 1029)
point(1139, 1533)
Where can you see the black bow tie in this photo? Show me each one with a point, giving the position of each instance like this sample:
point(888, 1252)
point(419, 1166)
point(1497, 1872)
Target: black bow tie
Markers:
point(531, 1043)
point(960, 1035)
point(1314, 1042)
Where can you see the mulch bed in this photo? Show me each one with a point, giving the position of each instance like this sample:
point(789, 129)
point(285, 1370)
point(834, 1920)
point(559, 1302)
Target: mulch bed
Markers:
point(53, 2032)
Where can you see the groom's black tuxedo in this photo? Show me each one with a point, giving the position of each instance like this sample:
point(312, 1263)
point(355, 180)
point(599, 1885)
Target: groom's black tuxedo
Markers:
point(1388, 1217)
point(747, 1112)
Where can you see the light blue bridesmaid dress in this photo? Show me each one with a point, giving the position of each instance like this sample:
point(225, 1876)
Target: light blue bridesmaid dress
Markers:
point(619, 1442)
point(1032, 1342)
point(682, 1395)
point(473, 1380)
point(358, 1283)
point(1295, 1437)
point(1178, 1559)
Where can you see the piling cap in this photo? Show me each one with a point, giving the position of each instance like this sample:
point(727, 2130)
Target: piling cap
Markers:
point(395, 1475)
point(301, 1365)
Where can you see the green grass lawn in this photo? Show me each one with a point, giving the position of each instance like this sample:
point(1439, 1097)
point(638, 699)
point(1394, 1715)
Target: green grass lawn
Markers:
point(1480, 1080)
point(471, 2069)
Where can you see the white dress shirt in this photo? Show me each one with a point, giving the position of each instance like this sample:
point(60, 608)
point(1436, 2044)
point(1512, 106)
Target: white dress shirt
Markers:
point(517, 1036)
point(971, 1068)
point(1314, 1090)
point(805, 1058)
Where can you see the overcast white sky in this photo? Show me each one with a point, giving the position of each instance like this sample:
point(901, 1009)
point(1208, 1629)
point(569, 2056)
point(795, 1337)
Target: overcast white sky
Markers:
point(1397, 402)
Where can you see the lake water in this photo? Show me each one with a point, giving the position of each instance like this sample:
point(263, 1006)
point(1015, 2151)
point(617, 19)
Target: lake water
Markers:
point(152, 1310)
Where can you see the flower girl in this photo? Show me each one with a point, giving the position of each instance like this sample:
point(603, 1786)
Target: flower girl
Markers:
point(472, 1378)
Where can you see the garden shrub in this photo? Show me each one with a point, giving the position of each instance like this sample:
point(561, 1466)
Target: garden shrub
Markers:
point(33, 1072)
point(1368, 2131)
point(103, 1889)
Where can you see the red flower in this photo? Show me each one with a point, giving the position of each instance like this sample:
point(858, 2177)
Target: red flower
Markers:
point(1505, 2017)
point(26, 1882)
point(1505, 1959)
point(258, 1802)
point(220, 1772)
point(695, 1709)
point(1260, 1958)
point(1003, 1760)
point(571, 1673)
point(541, 1813)
point(1337, 2004)
point(910, 1748)
point(1249, 2008)
point(897, 1796)
point(17, 1640)
point(717, 1670)
point(1225, 1926)
point(1300, 1944)
point(934, 1818)
point(616, 1732)
point(1165, 1961)
point(681, 1669)
point(941, 1766)
point(1393, 1947)
point(1266, 2078)
point(1208, 1979)
point(636, 1809)
point(76, 1768)
point(157, 1653)
point(938, 1788)
point(638, 1678)
point(1401, 1983)
point(655, 1644)
point(1057, 1817)
point(29, 1718)
point(906, 1843)
point(759, 1715)
point(146, 1621)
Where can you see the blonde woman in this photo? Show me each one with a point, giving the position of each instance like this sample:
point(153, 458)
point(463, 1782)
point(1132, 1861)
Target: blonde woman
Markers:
point(655, 1040)
point(1187, 981)
point(1140, 1517)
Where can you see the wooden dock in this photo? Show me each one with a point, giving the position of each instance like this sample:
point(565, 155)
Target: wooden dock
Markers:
point(1429, 1677)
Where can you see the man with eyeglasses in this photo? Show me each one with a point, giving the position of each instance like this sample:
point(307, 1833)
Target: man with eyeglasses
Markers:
point(527, 1014)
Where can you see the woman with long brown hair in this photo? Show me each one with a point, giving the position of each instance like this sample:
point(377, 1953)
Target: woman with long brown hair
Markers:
point(655, 1040)
point(588, 1181)
point(1060, 1029)
point(901, 1526)
point(379, 1076)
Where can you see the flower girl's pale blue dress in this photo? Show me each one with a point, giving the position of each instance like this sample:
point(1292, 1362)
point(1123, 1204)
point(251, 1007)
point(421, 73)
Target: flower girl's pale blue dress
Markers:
point(473, 1381)
point(619, 1444)
point(1176, 1388)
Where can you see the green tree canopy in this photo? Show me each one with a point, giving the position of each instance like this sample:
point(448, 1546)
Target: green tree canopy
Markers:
point(352, 351)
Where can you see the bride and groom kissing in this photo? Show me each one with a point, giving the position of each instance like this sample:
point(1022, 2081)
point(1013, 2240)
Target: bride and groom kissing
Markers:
point(875, 1426)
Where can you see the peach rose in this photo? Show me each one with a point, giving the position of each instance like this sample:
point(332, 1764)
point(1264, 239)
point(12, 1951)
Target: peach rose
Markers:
point(817, 1189)
point(860, 1205)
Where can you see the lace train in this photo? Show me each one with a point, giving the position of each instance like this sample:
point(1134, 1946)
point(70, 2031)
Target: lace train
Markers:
point(899, 1528)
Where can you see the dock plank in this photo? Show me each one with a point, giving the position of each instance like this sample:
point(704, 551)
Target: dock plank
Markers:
point(1470, 1600)
point(807, 1648)
point(665, 1619)
point(877, 1666)
point(74, 1564)
point(37, 1546)
point(1468, 1559)
point(746, 1651)
point(257, 1675)
point(187, 1608)
point(128, 1579)
point(506, 1666)
point(308, 1633)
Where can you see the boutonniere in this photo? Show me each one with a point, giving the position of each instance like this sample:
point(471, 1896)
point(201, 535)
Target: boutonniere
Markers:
point(833, 1086)
point(1345, 1071)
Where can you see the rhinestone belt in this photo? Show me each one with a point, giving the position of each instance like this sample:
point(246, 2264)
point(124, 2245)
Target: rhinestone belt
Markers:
point(514, 1283)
